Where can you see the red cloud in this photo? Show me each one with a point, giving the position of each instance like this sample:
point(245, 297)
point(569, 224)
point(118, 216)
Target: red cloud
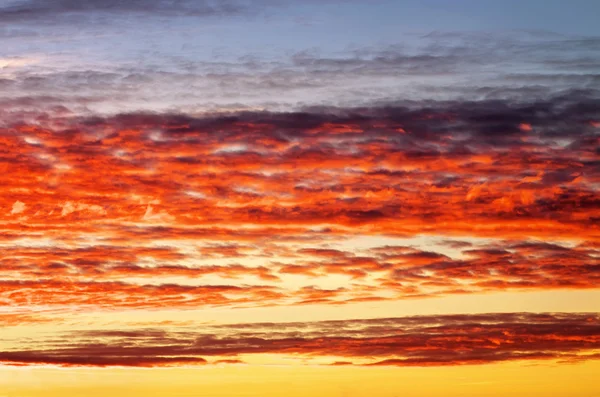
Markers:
point(92, 201)
point(422, 341)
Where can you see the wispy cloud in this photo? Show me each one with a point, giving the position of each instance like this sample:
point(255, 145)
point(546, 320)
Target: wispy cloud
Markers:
point(409, 341)
point(41, 10)
point(499, 67)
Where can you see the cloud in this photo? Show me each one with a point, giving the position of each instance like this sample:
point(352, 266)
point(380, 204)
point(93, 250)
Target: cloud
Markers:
point(31, 11)
point(525, 68)
point(276, 189)
point(99, 360)
point(15, 319)
point(18, 207)
point(36, 10)
point(107, 294)
point(408, 341)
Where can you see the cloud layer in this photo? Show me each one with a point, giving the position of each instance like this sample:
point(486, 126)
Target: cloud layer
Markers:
point(251, 208)
point(408, 341)
point(517, 66)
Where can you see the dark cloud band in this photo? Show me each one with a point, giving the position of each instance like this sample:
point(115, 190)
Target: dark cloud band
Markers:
point(409, 341)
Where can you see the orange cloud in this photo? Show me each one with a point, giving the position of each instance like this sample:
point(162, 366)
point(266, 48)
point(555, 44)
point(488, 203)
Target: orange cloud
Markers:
point(95, 204)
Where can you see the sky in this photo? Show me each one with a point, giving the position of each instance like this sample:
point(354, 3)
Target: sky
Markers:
point(335, 198)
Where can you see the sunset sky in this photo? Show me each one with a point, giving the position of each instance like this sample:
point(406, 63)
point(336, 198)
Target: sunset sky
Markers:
point(302, 198)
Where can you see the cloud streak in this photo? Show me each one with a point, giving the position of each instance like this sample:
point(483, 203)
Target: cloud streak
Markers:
point(526, 67)
point(35, 10)
point(408, 341)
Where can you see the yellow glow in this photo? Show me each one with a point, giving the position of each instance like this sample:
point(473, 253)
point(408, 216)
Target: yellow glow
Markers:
point(514, 379)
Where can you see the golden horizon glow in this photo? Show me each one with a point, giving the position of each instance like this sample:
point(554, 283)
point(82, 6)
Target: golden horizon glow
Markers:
point(536, 380)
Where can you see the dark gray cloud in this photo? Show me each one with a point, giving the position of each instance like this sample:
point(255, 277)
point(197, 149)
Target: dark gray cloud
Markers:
point(40, 10)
